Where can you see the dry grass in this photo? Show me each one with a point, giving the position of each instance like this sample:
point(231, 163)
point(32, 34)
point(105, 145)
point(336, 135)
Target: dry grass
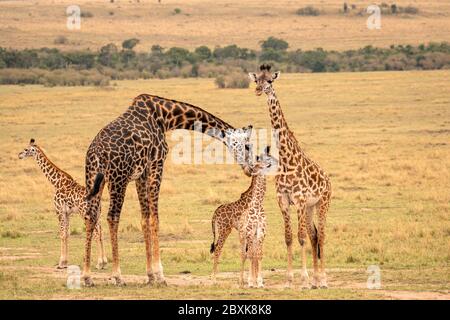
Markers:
point(209, 22)
point(383, 137)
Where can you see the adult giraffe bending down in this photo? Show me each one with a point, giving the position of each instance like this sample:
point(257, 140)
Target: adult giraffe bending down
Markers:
point(133, 147)
point(300, 182)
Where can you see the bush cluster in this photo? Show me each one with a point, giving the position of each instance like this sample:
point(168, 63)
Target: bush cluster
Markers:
point(51, 66)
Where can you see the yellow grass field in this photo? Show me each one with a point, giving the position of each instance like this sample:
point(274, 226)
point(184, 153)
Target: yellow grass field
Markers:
point(384, 138)
point(36, 23)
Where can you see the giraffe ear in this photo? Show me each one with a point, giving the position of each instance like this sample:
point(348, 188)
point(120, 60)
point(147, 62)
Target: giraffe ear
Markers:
point(252, 76)
point(276, 75)
point(32, 141)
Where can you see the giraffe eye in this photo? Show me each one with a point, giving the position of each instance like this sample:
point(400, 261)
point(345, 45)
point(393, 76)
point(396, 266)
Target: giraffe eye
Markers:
point(269, 81)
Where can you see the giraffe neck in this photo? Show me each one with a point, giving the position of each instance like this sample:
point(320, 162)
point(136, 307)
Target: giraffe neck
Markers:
point(172, 115)
point(276, 114)
point(279, 124)
point(258, 189)
point(55, 175)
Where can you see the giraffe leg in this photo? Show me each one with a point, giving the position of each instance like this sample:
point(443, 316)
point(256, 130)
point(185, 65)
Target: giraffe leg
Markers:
point(64, 235)
point(251, 272)
point(98, 236)
point(223, 235)
point(90, 220)
point(283, 203)
point(243, 258)
point(259, 277)
point(155, 184)
point(143, 195)
point(117, 195)
point(322, 209)
point(301, 212)
point(312, 233)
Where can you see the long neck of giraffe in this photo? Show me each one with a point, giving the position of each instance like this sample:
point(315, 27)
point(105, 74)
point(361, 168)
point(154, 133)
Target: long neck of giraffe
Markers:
point(258, 188)
point(172, 115)
point(276, 114)
point(55, 175)
point(279, 125)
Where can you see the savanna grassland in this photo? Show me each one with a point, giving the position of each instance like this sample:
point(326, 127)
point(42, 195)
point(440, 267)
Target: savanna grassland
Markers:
point(189, 24)
point(384, 138)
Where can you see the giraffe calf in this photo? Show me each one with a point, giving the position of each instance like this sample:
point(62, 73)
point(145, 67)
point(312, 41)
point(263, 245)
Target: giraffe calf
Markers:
point(247, 216)
point(70, 197)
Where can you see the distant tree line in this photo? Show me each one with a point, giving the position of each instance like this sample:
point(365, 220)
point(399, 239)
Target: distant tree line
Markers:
point(50, 66)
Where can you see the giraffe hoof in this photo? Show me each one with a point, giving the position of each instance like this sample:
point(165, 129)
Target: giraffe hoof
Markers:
point(161, 283)
point(324, 287)
point(88, 282)
point(306, 286)
point(151, 279)
point(62, 265)
point(117, 281)
point(314, 287)
point(156, 282)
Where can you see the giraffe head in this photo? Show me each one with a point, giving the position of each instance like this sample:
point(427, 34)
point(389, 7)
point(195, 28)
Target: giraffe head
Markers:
point(238, 142)
point(264, 79)
point(29, 151)
point(264, 164)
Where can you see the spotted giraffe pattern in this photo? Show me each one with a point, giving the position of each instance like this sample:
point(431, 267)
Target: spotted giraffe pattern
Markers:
point(134, 147)
point(247, 216)
point(69, 198)
point(300, 182)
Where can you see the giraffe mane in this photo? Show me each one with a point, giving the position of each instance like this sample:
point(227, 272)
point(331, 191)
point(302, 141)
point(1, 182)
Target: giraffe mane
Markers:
point(43, 153)
point(188, 105)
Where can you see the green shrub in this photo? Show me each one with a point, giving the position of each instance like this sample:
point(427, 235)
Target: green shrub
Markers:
point(11, 234)
point(86, 14)
point(130, 43)
point(275, 44)
point(308, 11)
point(411, 10)
point(63, 77)
point(61, 40)
point(176, 11)
point(237, 80)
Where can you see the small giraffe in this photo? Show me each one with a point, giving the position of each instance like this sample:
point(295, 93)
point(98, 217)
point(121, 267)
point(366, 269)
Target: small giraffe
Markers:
point(69, 198)
point(133, 148)
point(247, 216)
point(300, 182)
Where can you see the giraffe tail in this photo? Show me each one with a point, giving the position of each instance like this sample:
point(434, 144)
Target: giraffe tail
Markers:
point(97, 183)
point(213, 226)
point(318, 247)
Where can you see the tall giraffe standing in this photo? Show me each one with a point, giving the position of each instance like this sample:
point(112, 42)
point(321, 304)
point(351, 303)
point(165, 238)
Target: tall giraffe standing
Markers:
point(69, 198)
point(133, 147)
point(300, 182)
